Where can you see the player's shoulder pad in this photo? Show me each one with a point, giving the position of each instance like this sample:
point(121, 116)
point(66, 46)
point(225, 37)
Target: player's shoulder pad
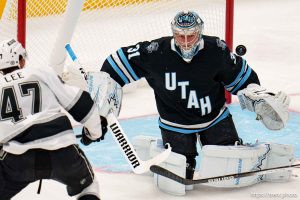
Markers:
point(219, 46)
point(41, 72)
point(157, 45)
point(216, 42)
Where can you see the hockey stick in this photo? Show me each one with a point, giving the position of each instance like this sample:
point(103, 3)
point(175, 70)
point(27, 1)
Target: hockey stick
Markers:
point(138, 166)
point(166, 173)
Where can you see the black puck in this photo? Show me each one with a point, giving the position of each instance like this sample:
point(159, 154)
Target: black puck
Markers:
point(240, 50)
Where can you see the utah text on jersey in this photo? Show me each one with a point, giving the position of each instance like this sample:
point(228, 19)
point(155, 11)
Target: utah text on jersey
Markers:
point(189, 96)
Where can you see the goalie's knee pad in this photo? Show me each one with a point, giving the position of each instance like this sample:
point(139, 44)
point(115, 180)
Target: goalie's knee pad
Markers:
point(148, 147)
point(141, 144)
point(90, 192)
point(176, 163)
point(224, 160)
point(279, 155)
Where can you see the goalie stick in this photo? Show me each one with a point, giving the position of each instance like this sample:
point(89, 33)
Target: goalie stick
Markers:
point(166, 173)
point(138, 166)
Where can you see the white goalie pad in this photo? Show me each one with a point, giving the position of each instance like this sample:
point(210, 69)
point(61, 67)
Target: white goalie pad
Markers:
point(280, 155)
point(223, 160)
point(141, 144)
point(271, 109)
point(176, 163)
point(148, 147)
point(106, 92)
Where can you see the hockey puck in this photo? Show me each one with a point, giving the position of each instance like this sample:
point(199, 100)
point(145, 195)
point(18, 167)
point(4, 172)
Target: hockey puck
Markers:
point(240, 50)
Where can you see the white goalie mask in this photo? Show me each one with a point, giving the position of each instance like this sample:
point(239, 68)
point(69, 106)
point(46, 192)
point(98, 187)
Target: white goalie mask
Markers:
point(10, 52)
point(187, 28)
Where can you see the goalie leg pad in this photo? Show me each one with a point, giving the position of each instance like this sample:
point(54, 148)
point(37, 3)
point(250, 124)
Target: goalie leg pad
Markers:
point(222, 160)
point(280, 155)
point(148, 147)
point(141, 145)
point(175, 163)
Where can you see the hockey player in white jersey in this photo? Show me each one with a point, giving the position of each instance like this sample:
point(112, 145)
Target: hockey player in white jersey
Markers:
point(36, 139)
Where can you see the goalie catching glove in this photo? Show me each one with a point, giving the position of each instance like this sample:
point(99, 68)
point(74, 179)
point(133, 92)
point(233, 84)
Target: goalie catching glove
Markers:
point(271, 109)
point(86, 138)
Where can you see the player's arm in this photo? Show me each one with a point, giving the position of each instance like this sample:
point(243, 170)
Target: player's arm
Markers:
point(239, 78)
point(128, 64)
point(76, 102)
point(235, 73)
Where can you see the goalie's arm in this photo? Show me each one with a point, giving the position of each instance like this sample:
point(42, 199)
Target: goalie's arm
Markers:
point(131, 63)
point(121, 66)
point(236, 74)
point(239, 78)
point(107, 67)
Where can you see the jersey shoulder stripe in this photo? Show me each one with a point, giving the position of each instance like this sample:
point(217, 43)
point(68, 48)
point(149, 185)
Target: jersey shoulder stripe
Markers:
point(117, 69)
point(127, 65)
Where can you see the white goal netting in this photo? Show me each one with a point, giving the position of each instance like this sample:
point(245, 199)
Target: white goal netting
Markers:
point(104, 25)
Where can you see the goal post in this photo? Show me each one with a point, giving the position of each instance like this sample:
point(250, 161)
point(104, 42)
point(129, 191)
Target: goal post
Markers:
point(229, 18)
point(102, 26)
point(21, 22)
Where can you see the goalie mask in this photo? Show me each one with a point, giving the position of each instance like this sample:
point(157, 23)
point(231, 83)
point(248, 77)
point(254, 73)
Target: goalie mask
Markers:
point(187, 28)
point(10, 52)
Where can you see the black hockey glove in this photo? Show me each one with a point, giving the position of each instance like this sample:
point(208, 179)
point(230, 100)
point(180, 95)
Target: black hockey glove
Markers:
point(104, 125)
point(85, 140)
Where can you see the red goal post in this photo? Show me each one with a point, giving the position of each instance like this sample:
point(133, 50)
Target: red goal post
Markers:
point(102, 26)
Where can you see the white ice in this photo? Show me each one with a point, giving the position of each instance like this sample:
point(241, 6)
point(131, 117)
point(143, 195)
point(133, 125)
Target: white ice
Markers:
point(271, 32)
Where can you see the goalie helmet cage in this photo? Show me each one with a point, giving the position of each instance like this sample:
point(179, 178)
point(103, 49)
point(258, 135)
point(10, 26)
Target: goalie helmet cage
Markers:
point(102, 27)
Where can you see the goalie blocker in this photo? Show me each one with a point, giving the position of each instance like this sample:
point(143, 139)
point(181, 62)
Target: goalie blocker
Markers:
point(106, 92)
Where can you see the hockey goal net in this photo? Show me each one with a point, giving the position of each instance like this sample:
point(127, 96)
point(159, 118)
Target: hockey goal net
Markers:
point(102, 27)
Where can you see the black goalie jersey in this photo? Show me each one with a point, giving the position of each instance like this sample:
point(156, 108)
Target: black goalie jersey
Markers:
point(189, 96)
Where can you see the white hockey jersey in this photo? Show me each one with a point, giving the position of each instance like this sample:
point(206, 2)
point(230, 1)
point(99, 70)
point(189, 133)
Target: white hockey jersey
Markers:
point(31, 103)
